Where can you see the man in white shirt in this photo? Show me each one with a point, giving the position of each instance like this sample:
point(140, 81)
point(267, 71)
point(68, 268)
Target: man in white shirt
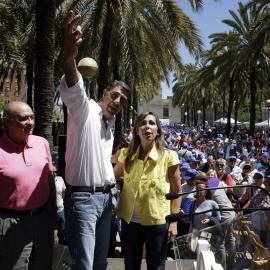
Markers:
point(89, 173)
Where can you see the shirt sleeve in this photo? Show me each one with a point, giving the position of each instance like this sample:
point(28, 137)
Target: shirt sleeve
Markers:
point(173, 158)
point(76, 100)
point(122, 155)
point(229, 180)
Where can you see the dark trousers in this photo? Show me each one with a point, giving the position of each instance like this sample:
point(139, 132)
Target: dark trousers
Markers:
point(134, 235)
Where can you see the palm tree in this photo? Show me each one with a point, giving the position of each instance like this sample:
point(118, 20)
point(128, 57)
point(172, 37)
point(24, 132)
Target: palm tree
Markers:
point(44, 71)
point(245, 50)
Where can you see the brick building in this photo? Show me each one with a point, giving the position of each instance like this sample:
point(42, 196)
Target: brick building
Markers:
point(10, 89)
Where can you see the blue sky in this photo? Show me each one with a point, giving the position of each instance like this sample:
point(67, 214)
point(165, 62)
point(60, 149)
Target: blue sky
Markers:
point(208, 21)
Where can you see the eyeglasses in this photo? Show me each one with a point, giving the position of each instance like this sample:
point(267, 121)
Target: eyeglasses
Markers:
point(222, 165)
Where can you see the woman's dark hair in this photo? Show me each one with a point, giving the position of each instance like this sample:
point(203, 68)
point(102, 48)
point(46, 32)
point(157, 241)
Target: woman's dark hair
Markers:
point(136, 141)
point(209, 195)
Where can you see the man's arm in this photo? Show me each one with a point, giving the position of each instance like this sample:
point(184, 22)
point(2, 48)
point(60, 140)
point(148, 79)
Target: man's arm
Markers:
point(73, 38)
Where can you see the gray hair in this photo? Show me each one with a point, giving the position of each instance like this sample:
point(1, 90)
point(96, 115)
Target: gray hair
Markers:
point(121, 84)
point(221, 160)
point(8, 111)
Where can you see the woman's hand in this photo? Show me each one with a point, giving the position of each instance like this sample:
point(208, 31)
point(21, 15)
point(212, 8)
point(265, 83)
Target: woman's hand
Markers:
point(172, 232)
point(239, 214)
point(205, 221)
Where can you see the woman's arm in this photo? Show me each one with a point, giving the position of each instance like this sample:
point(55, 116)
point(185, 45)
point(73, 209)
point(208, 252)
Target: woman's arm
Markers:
point(175, 186)
point(249, 204)
point(118, 170)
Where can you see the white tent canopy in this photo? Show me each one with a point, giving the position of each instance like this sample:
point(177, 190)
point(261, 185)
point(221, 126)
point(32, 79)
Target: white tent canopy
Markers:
point(223, 121)
point(262, 124)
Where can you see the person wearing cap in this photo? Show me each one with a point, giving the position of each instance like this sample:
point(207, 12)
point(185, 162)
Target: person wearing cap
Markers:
point(190, 184)
point(184, 152)
point(205, 167)
point(216, 148)
point(230, 149)
point(252, 153)
point(231, 167)
point(244, 158)
point(250, 191)
point(265, 160)
point(220, 154)
point(201, 159)
point(193, 163)
point(182, 140)
point(183, 170)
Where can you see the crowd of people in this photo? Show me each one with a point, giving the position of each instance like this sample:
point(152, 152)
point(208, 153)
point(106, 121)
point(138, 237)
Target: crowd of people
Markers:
point(151, 161)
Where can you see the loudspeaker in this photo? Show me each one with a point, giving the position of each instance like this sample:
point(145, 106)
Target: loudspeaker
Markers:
point(61, 258)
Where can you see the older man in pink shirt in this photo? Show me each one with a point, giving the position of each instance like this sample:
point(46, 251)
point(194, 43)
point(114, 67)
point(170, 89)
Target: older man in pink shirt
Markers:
point(27, 186)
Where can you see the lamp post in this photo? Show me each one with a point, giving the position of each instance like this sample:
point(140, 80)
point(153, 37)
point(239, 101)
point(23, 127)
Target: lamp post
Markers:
point(130, 117)
point(88, 68)
point(199, 112)
point(185, 120)
point(267, 104)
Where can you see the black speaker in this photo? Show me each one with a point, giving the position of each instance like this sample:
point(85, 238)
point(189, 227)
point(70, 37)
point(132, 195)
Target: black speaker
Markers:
point(61, 258)
point(61, 155)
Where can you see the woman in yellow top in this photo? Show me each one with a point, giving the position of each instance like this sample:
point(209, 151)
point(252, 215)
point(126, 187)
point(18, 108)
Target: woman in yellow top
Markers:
point(150, 172)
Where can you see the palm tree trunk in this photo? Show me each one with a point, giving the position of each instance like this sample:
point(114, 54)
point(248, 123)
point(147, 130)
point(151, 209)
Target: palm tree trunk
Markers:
point(44, 71)
point(29, 77)
point(224, 103)
point(105, 49)
point(235, 112)
point(188, 115)
point(135, 106)
point(230, 107)
point(253, 91)
point(203, 124)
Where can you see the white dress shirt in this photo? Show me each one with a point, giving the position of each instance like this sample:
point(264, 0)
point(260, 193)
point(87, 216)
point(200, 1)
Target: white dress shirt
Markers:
point(89, 142)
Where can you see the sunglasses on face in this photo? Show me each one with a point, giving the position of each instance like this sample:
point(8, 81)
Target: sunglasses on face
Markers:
point(220, 165)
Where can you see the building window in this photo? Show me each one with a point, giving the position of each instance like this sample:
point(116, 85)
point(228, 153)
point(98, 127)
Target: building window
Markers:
point(7, 80)
point(7, 88)
point(16, 93)
point(165, 109)
point(7, 94)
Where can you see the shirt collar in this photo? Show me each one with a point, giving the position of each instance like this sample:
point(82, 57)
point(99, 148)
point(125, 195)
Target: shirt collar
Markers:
point(14, 145)
point(100, 113)
point(153, 153)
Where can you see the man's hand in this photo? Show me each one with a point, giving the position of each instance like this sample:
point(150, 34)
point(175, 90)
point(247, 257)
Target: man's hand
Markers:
point(73, 37)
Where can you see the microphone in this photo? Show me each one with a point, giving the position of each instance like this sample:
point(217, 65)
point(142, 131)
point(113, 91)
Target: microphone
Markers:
point(175, 217)
point(179, 216)
point(172, 195)
point(175, 195)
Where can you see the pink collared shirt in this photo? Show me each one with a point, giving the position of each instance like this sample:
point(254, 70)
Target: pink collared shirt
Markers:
point(24, 173)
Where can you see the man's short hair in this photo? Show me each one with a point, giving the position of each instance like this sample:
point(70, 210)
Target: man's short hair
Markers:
point(8, 112)
point(221, 160)
point(121, 84)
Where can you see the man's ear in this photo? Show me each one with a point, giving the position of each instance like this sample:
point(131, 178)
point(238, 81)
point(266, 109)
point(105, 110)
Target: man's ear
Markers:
point(6, 120)
point(104, 92)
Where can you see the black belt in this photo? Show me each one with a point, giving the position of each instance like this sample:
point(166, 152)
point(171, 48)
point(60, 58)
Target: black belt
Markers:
point(104, 189)
point(31, 212)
